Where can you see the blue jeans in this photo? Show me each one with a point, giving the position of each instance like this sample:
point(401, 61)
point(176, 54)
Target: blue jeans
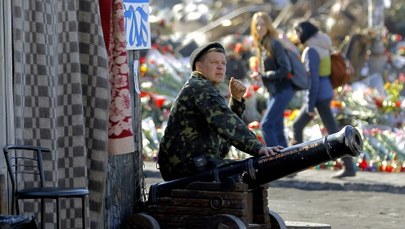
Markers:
point(272, 123)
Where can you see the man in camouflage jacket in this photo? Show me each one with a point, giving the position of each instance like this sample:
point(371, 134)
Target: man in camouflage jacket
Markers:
point(202, 127)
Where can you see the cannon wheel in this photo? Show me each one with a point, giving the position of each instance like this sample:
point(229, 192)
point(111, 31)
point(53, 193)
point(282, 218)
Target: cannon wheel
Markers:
point(276, 221)
point(229, 221)
point(141, 221)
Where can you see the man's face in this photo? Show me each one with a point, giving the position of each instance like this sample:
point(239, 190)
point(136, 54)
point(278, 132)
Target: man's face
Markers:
point(213, 67)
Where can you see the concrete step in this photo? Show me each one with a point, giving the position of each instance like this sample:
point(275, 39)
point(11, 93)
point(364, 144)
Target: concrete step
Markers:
point(306, 225)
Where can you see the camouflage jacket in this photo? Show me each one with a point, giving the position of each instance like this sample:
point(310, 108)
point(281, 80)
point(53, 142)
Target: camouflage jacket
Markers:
point(201, 123)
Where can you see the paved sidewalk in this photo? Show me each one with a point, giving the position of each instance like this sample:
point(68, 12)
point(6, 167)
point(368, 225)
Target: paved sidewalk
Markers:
point(321, 180)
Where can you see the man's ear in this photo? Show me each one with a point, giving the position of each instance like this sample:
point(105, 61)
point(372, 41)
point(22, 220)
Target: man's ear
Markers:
point(198, 66)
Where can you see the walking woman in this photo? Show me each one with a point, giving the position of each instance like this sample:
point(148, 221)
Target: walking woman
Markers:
point(316, 56)
point(274, 71)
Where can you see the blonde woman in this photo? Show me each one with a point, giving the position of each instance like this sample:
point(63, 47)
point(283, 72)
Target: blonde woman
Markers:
point(274, 71)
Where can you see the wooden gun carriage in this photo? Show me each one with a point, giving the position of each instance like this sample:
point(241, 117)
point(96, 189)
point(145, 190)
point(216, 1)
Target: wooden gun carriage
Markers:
point(214, 199)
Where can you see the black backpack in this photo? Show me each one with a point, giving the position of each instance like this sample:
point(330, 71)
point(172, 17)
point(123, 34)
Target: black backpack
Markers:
point(300, 78)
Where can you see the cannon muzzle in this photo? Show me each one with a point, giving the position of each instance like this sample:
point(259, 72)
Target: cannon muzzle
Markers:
point(258, 171)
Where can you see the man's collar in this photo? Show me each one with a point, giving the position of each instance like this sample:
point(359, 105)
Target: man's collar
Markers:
point(198, 74)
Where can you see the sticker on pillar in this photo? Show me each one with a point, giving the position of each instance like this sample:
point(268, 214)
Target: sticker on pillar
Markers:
point(136, 76)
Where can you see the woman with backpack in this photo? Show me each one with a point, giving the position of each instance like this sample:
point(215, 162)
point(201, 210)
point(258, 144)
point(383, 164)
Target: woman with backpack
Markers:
point(316, 56)
point(274, 71)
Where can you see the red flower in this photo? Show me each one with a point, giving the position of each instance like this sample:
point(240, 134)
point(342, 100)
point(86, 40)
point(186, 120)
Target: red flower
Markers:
point(260, 139)
point(336, 104)
point(397, 104)
point(378, 102)
point(254, 125)
point(142, 60)
point(287, 113)
point(363, 164)
point(144, 93)
point(159, 101)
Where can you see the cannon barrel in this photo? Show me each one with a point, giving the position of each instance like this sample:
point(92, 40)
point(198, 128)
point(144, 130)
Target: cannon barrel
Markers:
point(258, 171)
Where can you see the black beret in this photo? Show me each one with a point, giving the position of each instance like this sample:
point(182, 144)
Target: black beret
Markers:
point(198, 52)
point(306, 30)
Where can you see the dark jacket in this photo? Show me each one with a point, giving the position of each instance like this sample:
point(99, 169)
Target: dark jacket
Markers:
point(277, 67)
point(202, 123)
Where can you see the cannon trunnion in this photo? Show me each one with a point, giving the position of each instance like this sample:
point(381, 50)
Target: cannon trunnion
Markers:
point(215, 199)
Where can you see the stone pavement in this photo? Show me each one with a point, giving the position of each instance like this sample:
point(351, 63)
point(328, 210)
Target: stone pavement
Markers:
point(311, 179)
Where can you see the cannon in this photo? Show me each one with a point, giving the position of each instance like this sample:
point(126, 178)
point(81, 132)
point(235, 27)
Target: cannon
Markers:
point(204, 199)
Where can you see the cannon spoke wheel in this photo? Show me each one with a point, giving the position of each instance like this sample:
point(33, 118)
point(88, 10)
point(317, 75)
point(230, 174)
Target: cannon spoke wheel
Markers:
point(276, 221)
point(229, 221)
point(141, 221)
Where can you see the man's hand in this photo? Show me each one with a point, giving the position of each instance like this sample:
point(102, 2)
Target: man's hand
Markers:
point(267, 151)
point(237, 89)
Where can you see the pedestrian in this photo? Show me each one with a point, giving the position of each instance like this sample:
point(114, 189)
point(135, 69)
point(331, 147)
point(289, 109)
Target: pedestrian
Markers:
point(202, 126)
point(316, 56)
point(274, 72)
